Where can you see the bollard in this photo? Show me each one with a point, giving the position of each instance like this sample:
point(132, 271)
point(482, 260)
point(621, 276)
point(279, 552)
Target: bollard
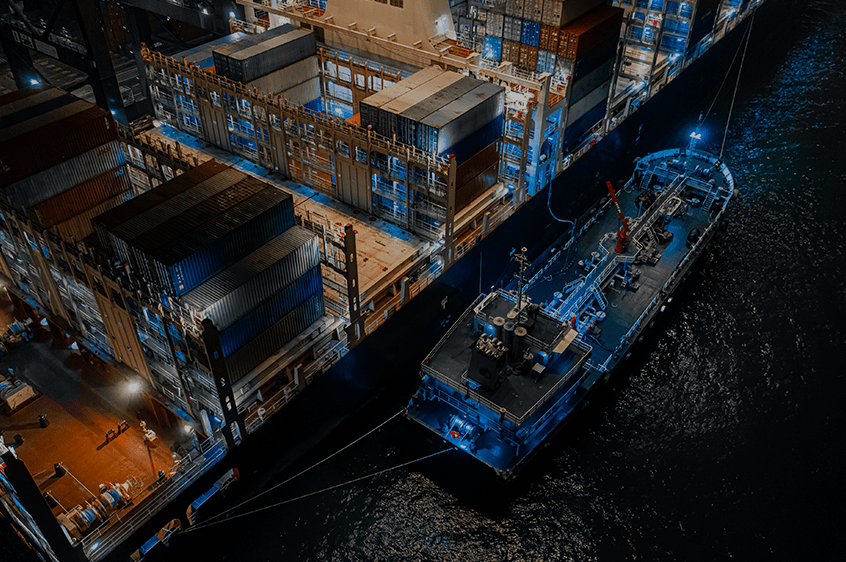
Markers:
point(60, 470)
point(43, 421)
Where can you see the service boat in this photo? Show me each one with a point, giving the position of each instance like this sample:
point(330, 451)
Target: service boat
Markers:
point(520, 360)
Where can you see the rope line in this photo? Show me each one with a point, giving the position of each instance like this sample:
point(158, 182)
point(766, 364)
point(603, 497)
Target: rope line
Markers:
point(737, 83)
point(348, 482)
point(318, 463)
point(725, 78)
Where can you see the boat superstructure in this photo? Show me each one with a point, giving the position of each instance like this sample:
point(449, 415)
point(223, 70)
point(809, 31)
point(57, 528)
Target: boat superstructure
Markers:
point(521, 359)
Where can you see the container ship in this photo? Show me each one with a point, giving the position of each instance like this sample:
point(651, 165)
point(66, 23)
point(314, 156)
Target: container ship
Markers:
point(522, 359)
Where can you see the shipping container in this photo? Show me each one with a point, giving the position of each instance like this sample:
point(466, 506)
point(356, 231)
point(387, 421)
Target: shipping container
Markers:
point(596, 28)
point(510, 51)
point(196, 255)
point(106, 222)
point(253, 322)
point(472, 144)
point(51, 182)
point(514, 8)
point(533, 10)
point(391, 111)
point(548, 38)
point(512, 29)
point(531, 33)
point(278, 81)
point(255, 278)
point(588, 83)
point(594, 59)
point(477, 164)
point(410, 119)
point(62, 126)
point(80, 227)
point(494, 25)
point(202, 56)
point(561, 12)
point(492, 49)
point(368, 107)
point(248, 60)
point(269, 342)
point(220, 55)
point(586, 113)
point(546, 62)
point(476, 187)
point(463, 117)
point(81, 197)
point(528, 57)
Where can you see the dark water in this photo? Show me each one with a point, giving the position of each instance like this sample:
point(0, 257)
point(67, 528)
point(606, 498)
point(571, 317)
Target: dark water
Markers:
point(723, 440)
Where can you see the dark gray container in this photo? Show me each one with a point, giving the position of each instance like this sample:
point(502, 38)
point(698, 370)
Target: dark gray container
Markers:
point(246, 61)
point(260, 348)
point(253, 279)
point(253, 322)
point(462, 117)
point(410, 119)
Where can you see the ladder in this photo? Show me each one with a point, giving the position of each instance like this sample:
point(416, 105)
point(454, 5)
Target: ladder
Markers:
point(709, 199)
point(600, 297)
point(644, 183)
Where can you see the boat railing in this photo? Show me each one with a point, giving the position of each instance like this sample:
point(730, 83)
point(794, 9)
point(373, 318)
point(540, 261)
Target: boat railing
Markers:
point(655, 302)
point(452, 329)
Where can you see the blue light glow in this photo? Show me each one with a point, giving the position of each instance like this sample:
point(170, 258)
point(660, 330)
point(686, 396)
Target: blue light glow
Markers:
point(696, 135)
point(34, 81)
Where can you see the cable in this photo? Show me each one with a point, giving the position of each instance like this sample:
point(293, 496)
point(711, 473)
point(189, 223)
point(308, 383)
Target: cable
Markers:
point(277, 504)
point(301, 472)
point(725, 78)
point(736, 84)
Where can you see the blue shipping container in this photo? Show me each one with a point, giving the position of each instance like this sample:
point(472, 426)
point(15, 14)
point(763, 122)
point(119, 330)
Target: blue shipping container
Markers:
point(530, 34)
point(493, 48)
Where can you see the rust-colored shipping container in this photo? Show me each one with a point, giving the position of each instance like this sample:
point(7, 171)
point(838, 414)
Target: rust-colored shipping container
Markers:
point(477, 186)
point(510, 51)
point(79, 227)
point(528, 57)
point(46, 128)
point(477, 164)
point(549, 38)
point(592, 30)
point(82, 197)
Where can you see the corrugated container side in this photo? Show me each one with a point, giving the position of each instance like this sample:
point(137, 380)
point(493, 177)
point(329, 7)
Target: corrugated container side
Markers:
point(106, 222)
point(254, 279)
point(288, 77)
point(492, 49)
point(267, 56)
point(510, 51)
point(533, 10)
point(493, 25)
point(79, 227)
point(583, 124)
point(72, 134)
point(57, 179)
point(179, 203)
point(583, 86)
point(213, 253)
point(477, 185)
point(530, 34)
point(82, 197)
point(411, 119)
point(466, 115)
point(482, 137)
point(528, 57)
point(589, 31)
point(476, 164)
point(512, 28)
point(253, 322)
point(552, 13)
point(583, 66)
point(254, 353)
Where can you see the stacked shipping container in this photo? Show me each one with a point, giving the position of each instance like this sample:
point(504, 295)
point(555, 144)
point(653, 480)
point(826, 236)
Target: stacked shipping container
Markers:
point(258, 55)
point(78, 169)
point(224, 244)
point(447, 114)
